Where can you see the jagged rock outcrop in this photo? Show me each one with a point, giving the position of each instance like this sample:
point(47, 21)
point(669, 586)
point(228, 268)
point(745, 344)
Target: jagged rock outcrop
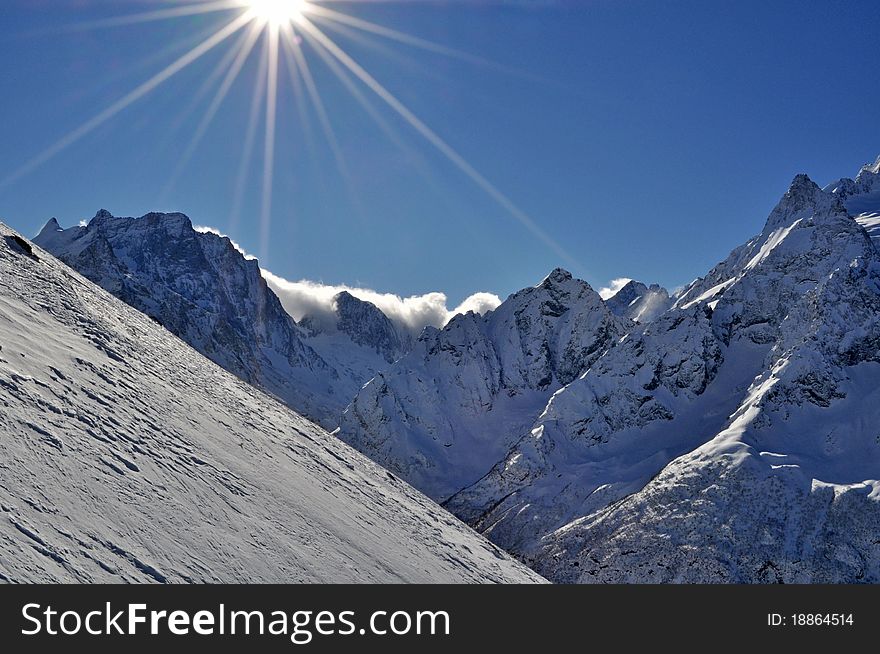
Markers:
point(445, 413)
point(638, 302)
point(733, 439)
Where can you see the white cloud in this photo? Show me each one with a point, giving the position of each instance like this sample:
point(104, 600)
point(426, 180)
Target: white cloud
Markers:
point(305, 297)
point(613, 287)
point(308, 298)
point(480, 303)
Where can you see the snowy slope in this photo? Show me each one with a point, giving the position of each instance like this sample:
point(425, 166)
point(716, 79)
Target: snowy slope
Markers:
point(442, 416)
point(732, 439)
point(199, 286)
point(127, 456)
point(638, 302)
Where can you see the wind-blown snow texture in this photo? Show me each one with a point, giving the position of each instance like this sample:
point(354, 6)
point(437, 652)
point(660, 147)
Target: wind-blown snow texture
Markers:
point(127, 456)
point(734, 438)
point(203, 289)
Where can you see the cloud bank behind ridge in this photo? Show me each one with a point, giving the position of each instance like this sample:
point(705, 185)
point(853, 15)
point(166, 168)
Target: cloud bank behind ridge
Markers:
point(613, 287)
point(308, 298)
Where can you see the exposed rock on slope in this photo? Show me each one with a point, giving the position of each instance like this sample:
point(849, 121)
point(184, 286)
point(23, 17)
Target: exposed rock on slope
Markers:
point(639, 302)
point(445, 413)
point(733, 439)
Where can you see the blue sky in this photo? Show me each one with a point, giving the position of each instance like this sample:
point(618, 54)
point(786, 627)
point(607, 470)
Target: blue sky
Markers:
point(647, 138)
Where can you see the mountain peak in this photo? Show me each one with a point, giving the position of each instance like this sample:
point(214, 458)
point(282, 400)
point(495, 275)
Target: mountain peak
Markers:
point(53, 235)
point(802, 184)
point(103, 214)
point(632, 286)
point(558, 276)
point(803, 198)
point(50, 228)
point(639, 302)
point(344, 298)
point(366, 324)
point(873, 168)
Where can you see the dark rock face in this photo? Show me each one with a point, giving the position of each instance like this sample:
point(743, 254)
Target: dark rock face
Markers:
point(366, 325)
point(17, 244)
point(444, 414)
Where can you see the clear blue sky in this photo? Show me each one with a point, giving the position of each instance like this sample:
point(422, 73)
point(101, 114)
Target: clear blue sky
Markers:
point(649, 138)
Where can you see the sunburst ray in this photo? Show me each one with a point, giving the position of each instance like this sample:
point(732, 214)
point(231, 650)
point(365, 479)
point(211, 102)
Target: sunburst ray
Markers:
point(281, 23)
point(233, 69)
point(135, 95)
point(442, 146)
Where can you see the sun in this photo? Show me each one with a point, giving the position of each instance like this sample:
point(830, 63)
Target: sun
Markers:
point(283, 32)
point(277, 13)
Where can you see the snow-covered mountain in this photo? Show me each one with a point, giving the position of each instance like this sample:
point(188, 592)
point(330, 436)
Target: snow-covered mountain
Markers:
point(363, 324)
point(126, 456)
point(357, 340)
point(638, 302)
point(862, 196)
point(204, 290)
point(733, 439)
point(442, 416)
point(726, 434)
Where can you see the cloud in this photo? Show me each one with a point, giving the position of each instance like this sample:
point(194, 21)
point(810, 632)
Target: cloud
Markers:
point(613, 287)
point(481, 303)
point(308, 298)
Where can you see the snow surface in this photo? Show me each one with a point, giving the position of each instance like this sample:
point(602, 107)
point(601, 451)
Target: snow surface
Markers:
point(871, 223)
point(862, 196)
point(126, 456)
